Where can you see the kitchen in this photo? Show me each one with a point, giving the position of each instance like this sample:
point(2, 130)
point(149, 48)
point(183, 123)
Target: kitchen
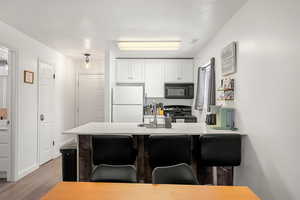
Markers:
point(158, 78)
point(155, 96)
point(183, 100)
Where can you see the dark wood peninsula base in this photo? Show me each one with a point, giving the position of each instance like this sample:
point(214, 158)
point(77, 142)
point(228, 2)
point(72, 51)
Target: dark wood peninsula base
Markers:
point(144, 171)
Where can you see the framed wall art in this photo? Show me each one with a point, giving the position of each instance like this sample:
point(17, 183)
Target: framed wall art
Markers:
point(28, 77)
point(228, 59)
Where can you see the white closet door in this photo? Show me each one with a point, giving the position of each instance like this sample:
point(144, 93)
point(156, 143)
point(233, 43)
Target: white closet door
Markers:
point(46, 112)
point(90, 99)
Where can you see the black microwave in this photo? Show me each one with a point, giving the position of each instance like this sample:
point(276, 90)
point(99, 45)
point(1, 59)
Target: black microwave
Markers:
point(179, 90)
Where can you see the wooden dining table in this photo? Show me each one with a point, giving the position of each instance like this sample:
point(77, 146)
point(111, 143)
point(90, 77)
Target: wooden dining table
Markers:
point(130, 191)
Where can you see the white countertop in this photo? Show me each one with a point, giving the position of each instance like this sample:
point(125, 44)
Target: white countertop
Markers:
point(98, 128)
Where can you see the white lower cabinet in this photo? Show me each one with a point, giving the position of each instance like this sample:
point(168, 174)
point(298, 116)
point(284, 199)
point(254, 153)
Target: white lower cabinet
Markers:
point(154, 78)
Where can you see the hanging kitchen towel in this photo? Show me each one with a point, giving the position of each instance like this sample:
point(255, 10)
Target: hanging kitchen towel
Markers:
point(199, 102)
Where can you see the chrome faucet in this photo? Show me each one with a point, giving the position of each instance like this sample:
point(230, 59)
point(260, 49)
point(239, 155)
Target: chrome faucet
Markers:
point(154, 122)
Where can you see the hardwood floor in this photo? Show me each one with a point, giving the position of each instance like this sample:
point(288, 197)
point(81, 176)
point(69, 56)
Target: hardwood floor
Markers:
point(34, 185)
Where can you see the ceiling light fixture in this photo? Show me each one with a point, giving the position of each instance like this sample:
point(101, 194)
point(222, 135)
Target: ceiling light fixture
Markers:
point(149, 45)
point(87, 60)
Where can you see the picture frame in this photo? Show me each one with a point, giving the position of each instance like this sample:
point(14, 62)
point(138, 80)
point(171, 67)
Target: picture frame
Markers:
point(229, 59)
point(28, 77)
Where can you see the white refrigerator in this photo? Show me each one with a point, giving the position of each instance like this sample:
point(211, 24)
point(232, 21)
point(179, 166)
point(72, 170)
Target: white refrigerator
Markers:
point(128, 103)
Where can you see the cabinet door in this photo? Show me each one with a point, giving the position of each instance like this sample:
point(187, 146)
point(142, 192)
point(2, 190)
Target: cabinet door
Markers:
point(138, 70)
point(129, 71)
point(154, 78)
point(179, 71)
point(123, 71)
point(186, 71)
point(171, 71)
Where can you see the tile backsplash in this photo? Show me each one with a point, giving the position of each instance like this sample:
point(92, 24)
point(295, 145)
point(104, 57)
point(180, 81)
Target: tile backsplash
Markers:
point(187, 102)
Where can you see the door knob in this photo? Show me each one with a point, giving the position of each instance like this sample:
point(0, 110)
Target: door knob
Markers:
point(42, 117)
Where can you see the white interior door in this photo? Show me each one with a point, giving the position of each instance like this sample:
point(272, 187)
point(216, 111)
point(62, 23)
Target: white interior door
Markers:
point(46, 112)
point(5, 126)
point(90, 98)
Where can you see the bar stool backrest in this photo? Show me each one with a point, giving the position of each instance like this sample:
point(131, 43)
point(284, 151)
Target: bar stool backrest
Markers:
point(220, 150)
point(165, 150)
point(113, 150)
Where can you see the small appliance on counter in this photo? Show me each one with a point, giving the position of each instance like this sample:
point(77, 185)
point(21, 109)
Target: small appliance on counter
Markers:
point(224, 118)
point(211, 119)
point(180, 113)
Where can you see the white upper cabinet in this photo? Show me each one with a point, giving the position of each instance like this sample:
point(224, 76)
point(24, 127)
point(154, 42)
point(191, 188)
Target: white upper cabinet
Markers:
point(154, 78)
point(154, 73)
point(130, 71)
point(179, 71)
point(187, 73)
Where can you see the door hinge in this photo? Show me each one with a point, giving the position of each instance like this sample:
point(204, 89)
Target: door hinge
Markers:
point(53, 143)
point(53, 76)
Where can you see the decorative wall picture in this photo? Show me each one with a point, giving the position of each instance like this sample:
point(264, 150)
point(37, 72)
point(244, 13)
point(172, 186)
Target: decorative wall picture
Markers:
point(3, 113)
point(228, 59)
point(28, 77)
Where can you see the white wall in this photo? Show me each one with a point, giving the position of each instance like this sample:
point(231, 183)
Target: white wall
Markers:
point(28, 53)
point(267, 94)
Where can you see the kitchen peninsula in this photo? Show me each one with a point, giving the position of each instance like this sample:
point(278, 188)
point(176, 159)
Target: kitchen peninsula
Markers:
point(84, 135)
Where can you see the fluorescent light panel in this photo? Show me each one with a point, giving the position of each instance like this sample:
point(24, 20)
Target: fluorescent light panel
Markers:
point(149, 45)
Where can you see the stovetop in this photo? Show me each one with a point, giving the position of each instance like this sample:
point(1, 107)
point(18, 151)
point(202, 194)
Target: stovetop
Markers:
point(180, 112)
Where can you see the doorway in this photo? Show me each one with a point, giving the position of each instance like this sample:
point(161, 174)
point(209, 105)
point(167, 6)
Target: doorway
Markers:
point(90, 98)
point(45, 111)
point(5, 114)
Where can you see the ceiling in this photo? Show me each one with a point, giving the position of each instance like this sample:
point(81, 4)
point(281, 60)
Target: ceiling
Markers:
point(74, 27)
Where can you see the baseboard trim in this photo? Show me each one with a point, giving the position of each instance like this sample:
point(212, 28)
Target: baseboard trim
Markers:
point(31, 169)
point(27, 171)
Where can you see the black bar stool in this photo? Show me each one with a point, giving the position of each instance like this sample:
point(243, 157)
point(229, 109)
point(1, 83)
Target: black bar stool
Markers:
point(165, 150)
point(170, 157)
point(113, 156)
point(175, 174)
point(220, 150)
